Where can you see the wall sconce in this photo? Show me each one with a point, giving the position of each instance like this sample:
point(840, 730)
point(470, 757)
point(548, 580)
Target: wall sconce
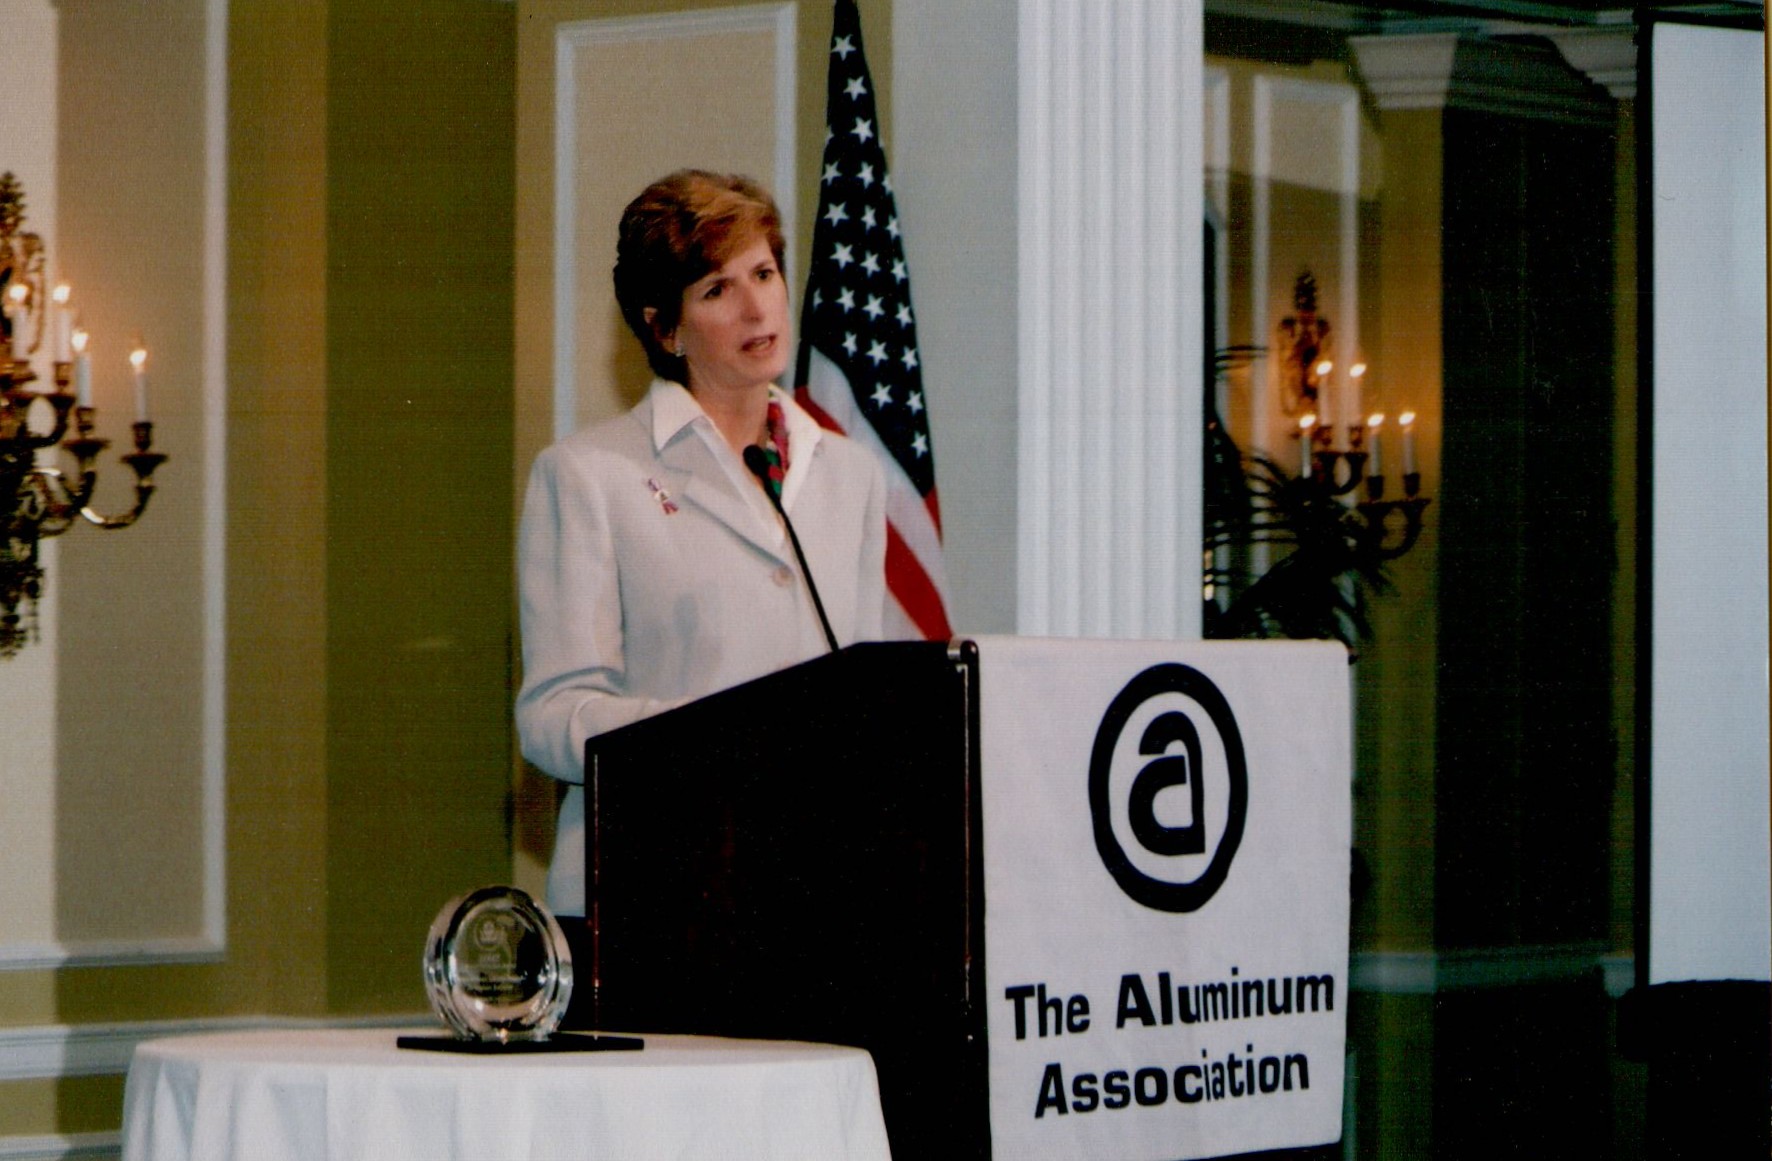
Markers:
point(38, 500)
point(1303, 348)
point(1325, 504)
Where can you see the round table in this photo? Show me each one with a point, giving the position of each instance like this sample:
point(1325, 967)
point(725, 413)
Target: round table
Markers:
point(353, 1095)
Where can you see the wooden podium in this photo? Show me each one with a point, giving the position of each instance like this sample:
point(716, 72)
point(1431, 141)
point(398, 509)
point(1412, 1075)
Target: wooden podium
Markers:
point(798, 858)
point(813, 856)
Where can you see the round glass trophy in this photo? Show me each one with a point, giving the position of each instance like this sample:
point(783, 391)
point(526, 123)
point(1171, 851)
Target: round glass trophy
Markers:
point(497, 967)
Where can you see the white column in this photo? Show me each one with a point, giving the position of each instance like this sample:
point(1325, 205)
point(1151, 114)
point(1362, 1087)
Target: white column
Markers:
point(1109, 354)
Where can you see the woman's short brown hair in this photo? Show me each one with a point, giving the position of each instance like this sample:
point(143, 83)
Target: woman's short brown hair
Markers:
point(681, 227)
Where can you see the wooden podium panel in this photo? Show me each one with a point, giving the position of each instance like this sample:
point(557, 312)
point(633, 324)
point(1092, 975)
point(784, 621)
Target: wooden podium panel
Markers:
point(807, 856)
point(798, 858)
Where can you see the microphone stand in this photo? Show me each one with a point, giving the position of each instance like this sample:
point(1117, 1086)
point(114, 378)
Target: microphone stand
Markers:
point(758, 462)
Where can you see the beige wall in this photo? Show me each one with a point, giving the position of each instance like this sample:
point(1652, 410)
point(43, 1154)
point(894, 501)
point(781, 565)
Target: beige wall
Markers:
point(368, 507)
point(28, 680)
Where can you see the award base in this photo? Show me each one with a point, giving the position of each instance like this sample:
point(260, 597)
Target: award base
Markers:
point(558, 1042)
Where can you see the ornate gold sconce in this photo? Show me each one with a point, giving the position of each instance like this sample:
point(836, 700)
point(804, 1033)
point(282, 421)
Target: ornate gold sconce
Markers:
point(1325, 504)
point(1303, 347)
point(38, 499)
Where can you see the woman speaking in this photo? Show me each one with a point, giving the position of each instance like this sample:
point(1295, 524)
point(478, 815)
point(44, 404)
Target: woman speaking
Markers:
point(653, 566)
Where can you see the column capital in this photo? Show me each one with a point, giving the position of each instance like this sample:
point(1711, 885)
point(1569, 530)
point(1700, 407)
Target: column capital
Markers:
point(1607, 55)
point(1514, 77)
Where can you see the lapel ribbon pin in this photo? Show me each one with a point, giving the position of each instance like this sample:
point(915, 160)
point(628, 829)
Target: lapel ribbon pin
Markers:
point(663, 497)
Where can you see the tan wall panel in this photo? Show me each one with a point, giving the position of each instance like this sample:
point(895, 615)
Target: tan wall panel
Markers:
point(646, 106)
point(28, 679)
point(131, 856)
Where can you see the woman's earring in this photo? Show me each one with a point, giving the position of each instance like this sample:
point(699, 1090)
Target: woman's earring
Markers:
point(678, 349)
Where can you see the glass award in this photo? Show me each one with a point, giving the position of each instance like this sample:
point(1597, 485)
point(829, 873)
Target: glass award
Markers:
point(497, 968)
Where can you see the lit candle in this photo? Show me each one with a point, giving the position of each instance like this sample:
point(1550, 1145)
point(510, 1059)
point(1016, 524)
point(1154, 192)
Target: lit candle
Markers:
point(138, 359)
point(82, 368)
point(18, 312)
point(61, 320)
point(1322, 371)
point(1374, 428)
point(1306, 433)
point(1407, 420)
point(1356, 374)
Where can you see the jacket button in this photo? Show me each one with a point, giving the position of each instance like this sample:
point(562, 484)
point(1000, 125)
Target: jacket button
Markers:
point(783, 575)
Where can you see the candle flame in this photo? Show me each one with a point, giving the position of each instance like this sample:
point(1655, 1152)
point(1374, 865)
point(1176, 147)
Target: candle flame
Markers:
point(60, 294)
point(79, 339)
point(138, 357)
point(1375, 420)
point(1356, 371)
point(1324, 367)
point(1407, 419)
point(1307, 421)
point(19, 292)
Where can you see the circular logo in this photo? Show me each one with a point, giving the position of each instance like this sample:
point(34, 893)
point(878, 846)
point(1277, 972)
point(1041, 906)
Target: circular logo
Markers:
point(1159, 791)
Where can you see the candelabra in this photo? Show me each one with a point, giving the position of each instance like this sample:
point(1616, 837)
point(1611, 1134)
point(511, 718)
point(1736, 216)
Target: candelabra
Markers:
point(1336, 473)
point(39, 499)
point(1331, 511)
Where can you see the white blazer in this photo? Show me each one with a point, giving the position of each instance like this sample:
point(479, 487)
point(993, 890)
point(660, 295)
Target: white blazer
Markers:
point(653, 570)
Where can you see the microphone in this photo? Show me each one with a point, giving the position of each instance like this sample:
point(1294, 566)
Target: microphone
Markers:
point(758, 462)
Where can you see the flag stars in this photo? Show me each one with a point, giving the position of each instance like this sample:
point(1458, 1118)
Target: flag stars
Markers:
point(849, 343)
point(882, 396)
point(920, 445)
point(842, 47)
point(837, 214)
point(856, 88)
point(909, 358)
point(873, 309)
point(899, 273)
point(863, 131)
point(865, 174)
point(892, 226)
point(870, 263)
point(915, 402)
point(904, 314)
point(831, 172)
point(846, 300)
point(843, 254)
point(877, 352)
point(867, 217)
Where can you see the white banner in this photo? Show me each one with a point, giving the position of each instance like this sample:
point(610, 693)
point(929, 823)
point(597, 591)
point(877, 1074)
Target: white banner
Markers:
point(1166, 839)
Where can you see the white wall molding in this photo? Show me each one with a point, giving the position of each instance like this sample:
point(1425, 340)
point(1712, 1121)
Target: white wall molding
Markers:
point(62, 1147)
point(1109, 366)
point(211, 943)
point(1270, 99)
point(110, 953)
point(778, 19)
point(58, 1051)
point(1426, 973)
point(215, 480)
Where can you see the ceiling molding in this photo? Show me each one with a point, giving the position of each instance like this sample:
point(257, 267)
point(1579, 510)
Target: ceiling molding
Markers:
point(1607, 55)
point(1516, 78)
point(1407, 72)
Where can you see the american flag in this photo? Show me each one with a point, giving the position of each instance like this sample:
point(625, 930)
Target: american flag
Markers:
point(858, 370)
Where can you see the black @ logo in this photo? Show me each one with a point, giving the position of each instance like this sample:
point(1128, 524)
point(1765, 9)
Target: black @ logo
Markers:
point(1169, 733)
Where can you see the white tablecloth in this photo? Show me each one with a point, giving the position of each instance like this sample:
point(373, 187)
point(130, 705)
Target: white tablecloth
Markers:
point(351, 1095)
